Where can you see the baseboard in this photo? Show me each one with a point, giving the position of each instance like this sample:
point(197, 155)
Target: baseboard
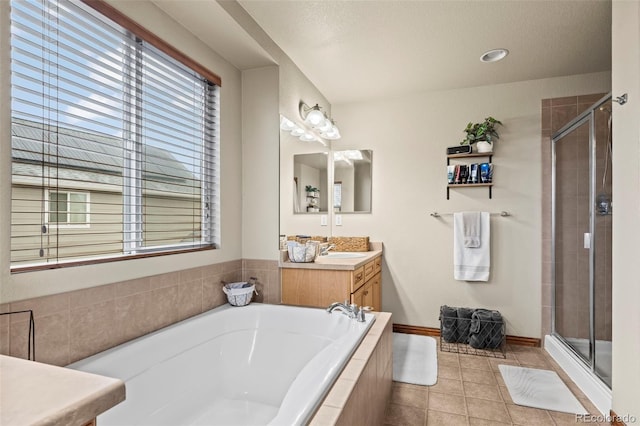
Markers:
point(524, 341)
point(412, 329)
point(615, 419)
point(435, 332)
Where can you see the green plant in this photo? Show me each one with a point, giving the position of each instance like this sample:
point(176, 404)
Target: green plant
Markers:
point(310, 188)
point(485, 131)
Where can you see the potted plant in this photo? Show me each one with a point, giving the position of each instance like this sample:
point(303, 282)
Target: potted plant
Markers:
point(482, 134)
point(312, 191)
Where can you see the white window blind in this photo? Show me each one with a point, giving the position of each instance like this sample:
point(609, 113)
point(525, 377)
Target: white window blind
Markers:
point(97, 110)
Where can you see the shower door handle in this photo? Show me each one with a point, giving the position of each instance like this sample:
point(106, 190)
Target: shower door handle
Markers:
point(587, 240)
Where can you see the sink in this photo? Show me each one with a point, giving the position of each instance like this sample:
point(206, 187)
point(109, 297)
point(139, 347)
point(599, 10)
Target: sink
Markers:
point(343, 255)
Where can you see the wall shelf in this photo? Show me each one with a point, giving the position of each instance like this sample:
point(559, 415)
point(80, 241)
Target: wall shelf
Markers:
point(473, 154)
point(462, 185)
point(488, 155)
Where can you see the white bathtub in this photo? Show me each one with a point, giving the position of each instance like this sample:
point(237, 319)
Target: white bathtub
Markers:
point(252, 365)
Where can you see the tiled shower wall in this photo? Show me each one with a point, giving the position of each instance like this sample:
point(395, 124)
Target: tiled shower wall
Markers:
point(573, 300)
point(74, 325)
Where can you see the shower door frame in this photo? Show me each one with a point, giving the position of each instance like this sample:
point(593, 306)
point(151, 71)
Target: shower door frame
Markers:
point(584, 117)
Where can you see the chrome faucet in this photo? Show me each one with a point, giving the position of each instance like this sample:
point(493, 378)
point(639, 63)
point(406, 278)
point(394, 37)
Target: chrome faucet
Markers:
point(350, 310)
point(325, 250)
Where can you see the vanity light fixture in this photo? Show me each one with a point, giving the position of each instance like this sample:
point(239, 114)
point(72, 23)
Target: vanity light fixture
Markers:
point(308, 137)
point(298, 131)
point(348, 156)
point(286, 124)
point(316, 119)
point(494, 55)
point(351, 154)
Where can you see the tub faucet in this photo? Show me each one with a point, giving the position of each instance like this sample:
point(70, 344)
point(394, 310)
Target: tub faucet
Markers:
point(350, 310)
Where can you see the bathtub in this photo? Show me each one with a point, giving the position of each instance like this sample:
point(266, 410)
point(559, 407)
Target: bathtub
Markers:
point(252, 365)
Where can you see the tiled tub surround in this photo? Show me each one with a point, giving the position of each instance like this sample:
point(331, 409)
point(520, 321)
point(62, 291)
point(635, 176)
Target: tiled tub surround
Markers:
point(277, 361)
point(74, 325)
point(362, 391)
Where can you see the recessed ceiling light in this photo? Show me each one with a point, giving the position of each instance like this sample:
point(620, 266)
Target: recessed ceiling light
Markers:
point(494, 55)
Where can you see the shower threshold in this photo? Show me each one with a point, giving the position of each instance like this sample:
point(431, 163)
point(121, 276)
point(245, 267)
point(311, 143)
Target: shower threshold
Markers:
point(590, 384)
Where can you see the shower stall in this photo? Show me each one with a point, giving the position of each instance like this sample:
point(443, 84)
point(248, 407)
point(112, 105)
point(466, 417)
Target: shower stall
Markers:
point(581, 239)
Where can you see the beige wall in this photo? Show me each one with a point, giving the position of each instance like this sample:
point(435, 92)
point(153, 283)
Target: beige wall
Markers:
point(626, 210)
point(260, 157)
point(409, 136)
point(294, 87)
point(34, 284)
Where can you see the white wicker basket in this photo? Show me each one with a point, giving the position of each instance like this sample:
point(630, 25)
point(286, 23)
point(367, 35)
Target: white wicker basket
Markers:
point(240, 293)
point(303, 253)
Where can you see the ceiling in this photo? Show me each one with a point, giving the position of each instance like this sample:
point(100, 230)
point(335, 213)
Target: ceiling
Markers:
point(209, 22)
point(357, 51)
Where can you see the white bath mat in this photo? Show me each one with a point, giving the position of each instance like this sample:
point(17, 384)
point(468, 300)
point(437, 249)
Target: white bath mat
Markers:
point(415, 359)
point(536, 388)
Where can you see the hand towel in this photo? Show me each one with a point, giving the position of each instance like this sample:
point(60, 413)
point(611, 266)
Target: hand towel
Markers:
point(471, 229)
point(471, 263)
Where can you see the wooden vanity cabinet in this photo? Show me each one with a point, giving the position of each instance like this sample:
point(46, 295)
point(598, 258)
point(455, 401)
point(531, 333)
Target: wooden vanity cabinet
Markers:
point(322, 287)
point(364, 295)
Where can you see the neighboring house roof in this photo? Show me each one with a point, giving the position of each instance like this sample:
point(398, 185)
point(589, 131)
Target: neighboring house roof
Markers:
point(91, 158)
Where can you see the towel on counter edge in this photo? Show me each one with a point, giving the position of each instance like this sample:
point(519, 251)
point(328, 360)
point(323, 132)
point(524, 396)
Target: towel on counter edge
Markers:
point(471, 263)
point(471, 229)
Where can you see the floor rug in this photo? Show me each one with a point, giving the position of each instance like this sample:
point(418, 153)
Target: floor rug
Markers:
point(536, 388)
point(415, 359)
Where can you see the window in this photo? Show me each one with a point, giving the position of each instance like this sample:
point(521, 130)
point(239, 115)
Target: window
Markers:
point(68, 209)
point(117, 118)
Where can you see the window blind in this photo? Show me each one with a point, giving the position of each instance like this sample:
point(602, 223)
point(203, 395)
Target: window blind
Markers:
point(115, 144)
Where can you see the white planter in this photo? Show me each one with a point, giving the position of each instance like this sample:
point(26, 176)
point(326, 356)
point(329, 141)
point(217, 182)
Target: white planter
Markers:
point(484, 146)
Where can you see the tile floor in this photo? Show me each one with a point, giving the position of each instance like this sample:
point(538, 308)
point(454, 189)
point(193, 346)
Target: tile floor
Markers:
point(470, 391)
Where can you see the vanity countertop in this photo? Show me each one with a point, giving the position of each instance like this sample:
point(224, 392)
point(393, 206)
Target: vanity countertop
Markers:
point(325, 262)
point(41, 394)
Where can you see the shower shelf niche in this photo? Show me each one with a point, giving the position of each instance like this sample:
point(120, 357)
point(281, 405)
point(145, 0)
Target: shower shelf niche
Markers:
point(489, 155)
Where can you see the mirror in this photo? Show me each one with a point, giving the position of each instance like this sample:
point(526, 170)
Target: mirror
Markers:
point(310, 179)
point(352, 181)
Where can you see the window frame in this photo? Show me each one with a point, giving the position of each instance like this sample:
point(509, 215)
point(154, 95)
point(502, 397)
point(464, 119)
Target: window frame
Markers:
point(118, 17)
point(212, 185)
point(67, 224)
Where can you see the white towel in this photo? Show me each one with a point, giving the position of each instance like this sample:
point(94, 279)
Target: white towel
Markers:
point(471, 229)
point(471, 263)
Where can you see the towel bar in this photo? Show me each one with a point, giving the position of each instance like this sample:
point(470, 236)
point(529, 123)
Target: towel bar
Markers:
point(502, 213)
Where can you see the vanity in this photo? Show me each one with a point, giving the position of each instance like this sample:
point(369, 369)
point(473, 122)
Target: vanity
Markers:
point(352, 276)
point(323, 186)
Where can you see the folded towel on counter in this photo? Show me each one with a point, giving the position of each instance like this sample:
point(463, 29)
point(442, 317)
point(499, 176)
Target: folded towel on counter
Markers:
point(471, 229)
point(471, 263)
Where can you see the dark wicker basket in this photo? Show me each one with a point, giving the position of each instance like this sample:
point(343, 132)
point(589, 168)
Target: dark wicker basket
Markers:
point(472, 331)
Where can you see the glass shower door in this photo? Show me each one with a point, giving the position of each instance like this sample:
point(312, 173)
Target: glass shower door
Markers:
point(581, 230)
point(572, 238)
point(602, 244)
